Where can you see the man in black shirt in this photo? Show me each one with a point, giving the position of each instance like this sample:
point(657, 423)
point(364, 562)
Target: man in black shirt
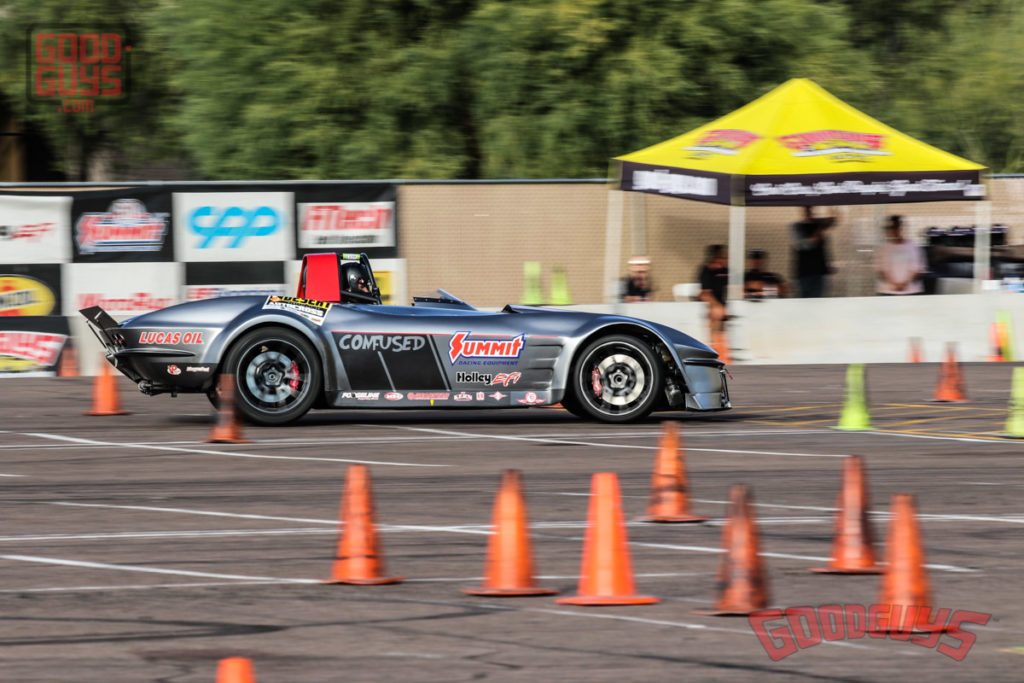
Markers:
point(637, 285)
point(714, 282)
point(759, 283)
point(811, 253)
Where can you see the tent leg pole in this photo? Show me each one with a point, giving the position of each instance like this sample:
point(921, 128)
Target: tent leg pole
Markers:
point(982, 242)
point(612, 247)
point(737, 250)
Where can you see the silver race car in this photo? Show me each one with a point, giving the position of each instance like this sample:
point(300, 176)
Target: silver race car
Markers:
point(334, 345)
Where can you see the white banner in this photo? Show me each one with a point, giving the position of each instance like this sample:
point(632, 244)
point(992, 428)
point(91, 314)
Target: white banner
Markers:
point(346, 225)
point(233, 226)
point(121, 289)
point(35, 229)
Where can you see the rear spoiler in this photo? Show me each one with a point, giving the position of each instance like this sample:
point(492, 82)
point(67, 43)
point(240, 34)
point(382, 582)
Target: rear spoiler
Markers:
point(100, 322)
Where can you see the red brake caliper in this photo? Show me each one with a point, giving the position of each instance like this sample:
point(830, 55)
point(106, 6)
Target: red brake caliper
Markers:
point(293, 372)
point(595, 382)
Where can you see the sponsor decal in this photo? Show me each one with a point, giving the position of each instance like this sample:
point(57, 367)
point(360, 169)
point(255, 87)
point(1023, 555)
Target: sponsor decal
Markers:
point(463, 396)
point(361, 395)
point(32, 232)
point(798, 628)
point(497, 395)
point(198, 292)
point(529, 398)
point(126, 226)
point(393, 396)
point(427, 395)
point(358, 225)
point(21, 295)
point(487, 378)
point(173, 370)
point(38, 348)
point(480, 396)
point(381, 342)
point(461, 346)
point(232, 224)
point(198, 368)
point(840, 145)
point(722, 141)
point(75, 66)
point(139, 301)
point(171, 337)
point(674, 183)
point(889, 188)
point(314, 311)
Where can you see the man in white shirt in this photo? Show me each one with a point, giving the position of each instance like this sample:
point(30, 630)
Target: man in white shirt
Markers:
point(899, 264)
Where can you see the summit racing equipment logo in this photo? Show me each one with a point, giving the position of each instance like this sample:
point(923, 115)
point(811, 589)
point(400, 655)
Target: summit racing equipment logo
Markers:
point(24, 296)
point(126, 226)
point(460, 346)
point(840, 145)
point(233, 223)
point(722, 141)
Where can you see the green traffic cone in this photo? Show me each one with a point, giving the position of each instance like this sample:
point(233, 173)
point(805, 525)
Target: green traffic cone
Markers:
point(1004, 319)
point(531, 284)
point(560, 295)
point(855, 414)
point(1015, 420)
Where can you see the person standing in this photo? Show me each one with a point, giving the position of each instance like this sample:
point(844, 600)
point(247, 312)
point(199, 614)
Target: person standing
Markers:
point(811, 253)
point(759, 283)
point(637, 285)
point(714, 282)
point(899, 264)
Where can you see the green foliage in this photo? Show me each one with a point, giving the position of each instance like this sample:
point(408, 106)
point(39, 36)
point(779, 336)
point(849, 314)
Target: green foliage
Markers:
point(514, 88)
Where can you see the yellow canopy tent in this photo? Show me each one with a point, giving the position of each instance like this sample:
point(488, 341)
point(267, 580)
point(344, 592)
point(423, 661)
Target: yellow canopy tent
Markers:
point(796, 145)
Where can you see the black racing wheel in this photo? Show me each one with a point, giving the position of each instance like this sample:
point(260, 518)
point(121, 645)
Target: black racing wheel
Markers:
point(277, 375)
point(616, 379)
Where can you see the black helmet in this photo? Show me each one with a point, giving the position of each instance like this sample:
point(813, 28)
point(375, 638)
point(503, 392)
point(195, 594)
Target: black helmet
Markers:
point(356, 280)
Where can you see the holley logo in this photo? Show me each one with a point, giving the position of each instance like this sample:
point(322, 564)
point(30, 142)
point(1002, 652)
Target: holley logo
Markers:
point(460, 346)
point(233, 223)
point(24, 296)
point(126, 226)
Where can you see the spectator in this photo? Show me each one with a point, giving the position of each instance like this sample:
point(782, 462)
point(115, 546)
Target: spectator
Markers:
point(899, 264)
point(714, 282)
point(637, 284)
point(811, 253)
point(759, 283)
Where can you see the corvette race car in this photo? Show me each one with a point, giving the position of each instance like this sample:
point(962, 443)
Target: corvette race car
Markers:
point(334, 345)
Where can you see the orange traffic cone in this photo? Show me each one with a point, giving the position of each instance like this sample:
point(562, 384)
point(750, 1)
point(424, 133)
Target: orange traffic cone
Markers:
point(742, 586)
point(235, 670)
point(720, 343)
point(669, 501)
point(606, 574)
point(105, 399)
point(852, 552)
point(227, 428)
point(996, 340)
point(509, 566)
point(915, 350)
point(68, 364)
point(950, 387)
point(905, 585)
point(359, 560)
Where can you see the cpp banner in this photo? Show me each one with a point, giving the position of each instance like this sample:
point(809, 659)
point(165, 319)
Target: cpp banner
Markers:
point(233, 226)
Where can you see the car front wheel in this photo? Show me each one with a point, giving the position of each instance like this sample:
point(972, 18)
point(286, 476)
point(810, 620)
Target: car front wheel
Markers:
point(616, 379)
point(277, 375)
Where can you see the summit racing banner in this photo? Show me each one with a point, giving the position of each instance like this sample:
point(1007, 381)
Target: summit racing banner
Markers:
point(123, 225)
point(31, 346)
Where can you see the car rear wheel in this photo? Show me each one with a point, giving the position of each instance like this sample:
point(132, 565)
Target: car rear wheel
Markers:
point(277, 375)
point(616, 379)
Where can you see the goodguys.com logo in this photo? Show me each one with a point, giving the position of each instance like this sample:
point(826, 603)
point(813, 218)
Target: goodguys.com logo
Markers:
point(233, 223)
point(841, 145)
point(722, 141)
point(126, 226)
point(76, 65)
point(460, 346)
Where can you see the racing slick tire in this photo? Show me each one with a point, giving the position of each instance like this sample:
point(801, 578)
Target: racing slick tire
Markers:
point(277, 375)
point(616, 378)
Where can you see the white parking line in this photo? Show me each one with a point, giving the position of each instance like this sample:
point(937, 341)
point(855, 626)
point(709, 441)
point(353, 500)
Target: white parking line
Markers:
point(147, 570)
point(231, 454)
point(145, 586)
point(598, 444)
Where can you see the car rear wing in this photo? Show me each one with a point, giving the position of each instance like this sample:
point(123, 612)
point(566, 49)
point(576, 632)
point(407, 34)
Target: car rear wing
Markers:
point(103, 326)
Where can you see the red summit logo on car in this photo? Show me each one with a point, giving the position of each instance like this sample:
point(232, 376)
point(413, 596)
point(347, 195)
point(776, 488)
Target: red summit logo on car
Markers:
point(460, 346)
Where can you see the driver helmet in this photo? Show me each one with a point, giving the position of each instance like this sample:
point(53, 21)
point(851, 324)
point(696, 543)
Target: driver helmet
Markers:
point(355, 278)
